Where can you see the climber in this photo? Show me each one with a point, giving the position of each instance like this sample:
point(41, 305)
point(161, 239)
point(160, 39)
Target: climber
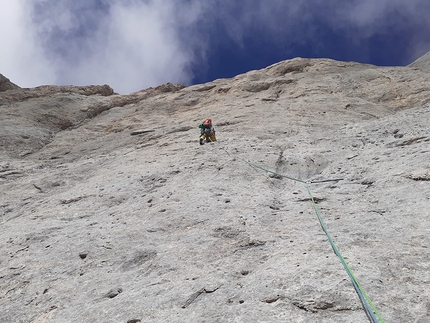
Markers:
point(207, 131)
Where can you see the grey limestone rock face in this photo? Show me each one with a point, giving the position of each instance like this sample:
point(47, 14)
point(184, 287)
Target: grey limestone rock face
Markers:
point(422, 62)
point(6, 84)
point(111, 211)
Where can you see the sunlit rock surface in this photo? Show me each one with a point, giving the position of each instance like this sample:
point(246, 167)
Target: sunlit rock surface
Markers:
point(111, 211)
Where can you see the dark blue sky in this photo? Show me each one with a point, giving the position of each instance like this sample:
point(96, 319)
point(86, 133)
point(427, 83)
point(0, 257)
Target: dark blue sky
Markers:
point(391, 42)
point(135, 44)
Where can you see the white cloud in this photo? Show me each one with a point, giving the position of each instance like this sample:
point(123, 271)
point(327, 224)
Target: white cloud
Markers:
point(22, 58)
point(135, 46)
point(127, 44)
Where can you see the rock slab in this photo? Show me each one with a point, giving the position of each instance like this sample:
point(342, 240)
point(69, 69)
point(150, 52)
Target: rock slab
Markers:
point(111, 211)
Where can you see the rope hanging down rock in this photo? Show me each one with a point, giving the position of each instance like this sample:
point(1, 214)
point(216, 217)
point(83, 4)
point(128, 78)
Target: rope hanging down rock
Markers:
point(368, 306)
